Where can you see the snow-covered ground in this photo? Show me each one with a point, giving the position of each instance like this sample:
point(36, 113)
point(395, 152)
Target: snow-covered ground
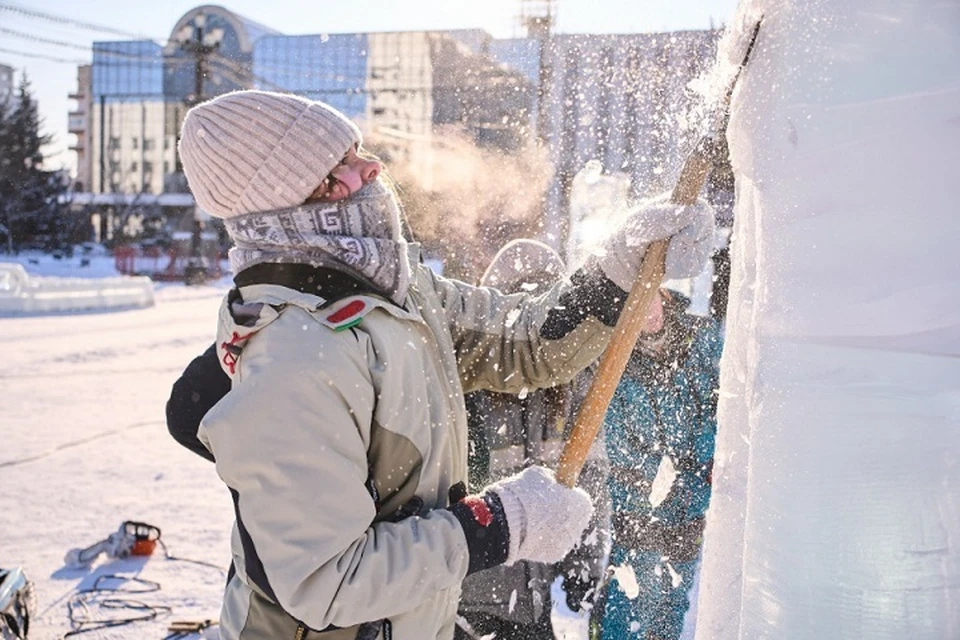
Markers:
point(84, 447)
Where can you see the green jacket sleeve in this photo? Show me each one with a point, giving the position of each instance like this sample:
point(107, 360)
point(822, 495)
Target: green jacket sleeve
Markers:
point(509, 343)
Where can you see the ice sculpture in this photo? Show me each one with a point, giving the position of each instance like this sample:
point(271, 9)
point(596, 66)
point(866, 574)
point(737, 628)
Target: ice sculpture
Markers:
point(836, 507)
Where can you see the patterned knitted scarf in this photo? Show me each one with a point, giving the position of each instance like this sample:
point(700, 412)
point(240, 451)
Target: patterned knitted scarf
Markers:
point(359, 235)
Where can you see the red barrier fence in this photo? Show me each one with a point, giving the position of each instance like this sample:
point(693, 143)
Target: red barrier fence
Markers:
point(165, 264)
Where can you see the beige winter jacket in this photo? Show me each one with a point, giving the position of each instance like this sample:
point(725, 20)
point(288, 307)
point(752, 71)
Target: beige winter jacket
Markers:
point(330, 428)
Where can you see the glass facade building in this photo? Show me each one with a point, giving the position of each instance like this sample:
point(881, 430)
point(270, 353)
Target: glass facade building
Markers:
point(192, 73)
point(127, 71)
point(6, 81)
point(401, 84)
point(331, 68)
point(621, 99)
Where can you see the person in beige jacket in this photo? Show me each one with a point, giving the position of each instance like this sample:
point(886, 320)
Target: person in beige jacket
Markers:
point(342, 439)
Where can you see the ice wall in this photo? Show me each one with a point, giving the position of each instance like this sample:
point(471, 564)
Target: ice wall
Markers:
point(22, 294)
point(836, 507)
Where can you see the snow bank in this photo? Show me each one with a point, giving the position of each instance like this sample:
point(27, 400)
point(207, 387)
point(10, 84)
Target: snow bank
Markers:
point(836, 508)
point(21, 293)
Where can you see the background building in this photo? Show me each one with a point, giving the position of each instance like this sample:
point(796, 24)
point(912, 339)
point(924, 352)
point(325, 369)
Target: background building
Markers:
point(619, 99)
point(622, 100)
point(79, 125)
point(6, 81)
point(398, 86)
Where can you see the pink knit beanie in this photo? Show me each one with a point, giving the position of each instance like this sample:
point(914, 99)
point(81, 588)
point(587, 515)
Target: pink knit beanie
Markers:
point(258, 151)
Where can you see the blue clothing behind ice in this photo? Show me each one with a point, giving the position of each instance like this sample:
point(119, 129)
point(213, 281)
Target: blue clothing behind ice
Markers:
point(664, 405)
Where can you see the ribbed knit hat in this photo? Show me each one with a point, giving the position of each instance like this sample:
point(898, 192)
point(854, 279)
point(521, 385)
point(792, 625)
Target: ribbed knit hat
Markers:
point(258, 151)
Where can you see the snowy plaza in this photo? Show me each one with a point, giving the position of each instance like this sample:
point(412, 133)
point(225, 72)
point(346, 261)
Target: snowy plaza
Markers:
point(86, 448)
point(835, 504)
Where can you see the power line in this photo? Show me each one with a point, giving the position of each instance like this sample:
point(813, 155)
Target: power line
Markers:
point(41, 56)
point(28, 36)
point(139, 37)
point(98, 48)
point(238, 71)
point(32, 13)
point(101, 49)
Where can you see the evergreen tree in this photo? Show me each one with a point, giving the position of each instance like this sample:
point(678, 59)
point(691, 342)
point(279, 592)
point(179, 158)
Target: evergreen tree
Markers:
point(28, 204)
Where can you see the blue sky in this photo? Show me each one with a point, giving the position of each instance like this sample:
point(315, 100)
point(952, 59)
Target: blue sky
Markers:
point(52, 81)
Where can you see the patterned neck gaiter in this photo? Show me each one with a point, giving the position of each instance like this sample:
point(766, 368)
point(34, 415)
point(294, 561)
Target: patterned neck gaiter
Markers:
point(359, 235)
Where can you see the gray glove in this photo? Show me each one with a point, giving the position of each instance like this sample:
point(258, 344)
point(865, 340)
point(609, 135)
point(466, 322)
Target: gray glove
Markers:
point(691, 230)
point(545, 518)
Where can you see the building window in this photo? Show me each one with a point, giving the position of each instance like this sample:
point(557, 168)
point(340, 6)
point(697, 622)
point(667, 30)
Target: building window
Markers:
point(114, 143)
point(133, 166)
point(135, 143)
point(149, 144)
point(147, 166)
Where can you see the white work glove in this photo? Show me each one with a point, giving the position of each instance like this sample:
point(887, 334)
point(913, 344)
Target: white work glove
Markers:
point(691, 230)
point(566, 623)
point(545, 518)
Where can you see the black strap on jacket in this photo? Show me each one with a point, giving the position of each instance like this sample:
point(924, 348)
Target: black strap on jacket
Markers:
point(203, 382)
point(329, 284)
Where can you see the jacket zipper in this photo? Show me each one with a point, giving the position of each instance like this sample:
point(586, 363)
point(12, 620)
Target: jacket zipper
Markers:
point(301, 632)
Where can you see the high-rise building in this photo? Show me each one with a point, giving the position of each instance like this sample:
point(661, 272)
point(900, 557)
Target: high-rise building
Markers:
point(623, 100)
point(401, 85)
point(78, 123)
point(6, 81)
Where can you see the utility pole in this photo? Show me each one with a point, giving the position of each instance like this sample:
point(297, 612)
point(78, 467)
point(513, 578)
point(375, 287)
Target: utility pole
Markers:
point(200, 45)
point(536, 16)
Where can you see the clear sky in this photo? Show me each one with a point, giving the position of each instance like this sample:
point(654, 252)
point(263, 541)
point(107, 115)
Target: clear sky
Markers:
point(53, 80)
